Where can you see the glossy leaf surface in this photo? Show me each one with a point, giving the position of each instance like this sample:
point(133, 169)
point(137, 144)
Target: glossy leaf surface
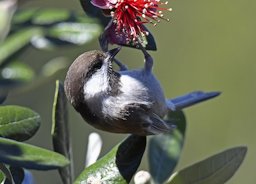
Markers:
point(165, 149)
point(17, 41)
point(119, 165)
point(58, 27)
point(30, 157)
point(18, 122)
point(60, 130)
point(215, 169)
point(17, 71)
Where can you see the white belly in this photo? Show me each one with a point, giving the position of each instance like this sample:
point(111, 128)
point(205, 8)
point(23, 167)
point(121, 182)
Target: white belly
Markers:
point(136, 87)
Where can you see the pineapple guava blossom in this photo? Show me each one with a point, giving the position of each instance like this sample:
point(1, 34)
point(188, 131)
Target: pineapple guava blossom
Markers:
point(128, 17)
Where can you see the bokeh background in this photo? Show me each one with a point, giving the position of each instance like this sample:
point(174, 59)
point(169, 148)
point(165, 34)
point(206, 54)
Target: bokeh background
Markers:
point(207, 45)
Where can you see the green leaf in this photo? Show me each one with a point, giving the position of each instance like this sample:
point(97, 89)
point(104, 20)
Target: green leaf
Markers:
point(7, 174)
point(77, 31)
point(18, 123)
point(13, 75)
point(16, 42)
point(87, 19)
point(57, 27)
point(218, 168)
point(165, 149)
point(30, 157)
point(55, 65)
point(119, 165)
point(50, 16)
point(17, 71)
point(23, 16)
point(60, 131)
point(41, 42)
point(74, 32)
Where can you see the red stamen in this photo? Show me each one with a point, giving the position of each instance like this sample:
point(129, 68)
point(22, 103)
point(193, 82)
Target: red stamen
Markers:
point(129, 15)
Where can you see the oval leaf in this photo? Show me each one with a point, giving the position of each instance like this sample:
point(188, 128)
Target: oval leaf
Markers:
point(54, 66)
point(57, 28)
point(18, 123)
point(40, 42)
point(24, 16)
point(50, 16)
point(74, 32)
point(119, 165)
point(215, 169)
point(17, 71)
point(165, 149)
point(60, 130)
point(16, 42)
point(30, 157)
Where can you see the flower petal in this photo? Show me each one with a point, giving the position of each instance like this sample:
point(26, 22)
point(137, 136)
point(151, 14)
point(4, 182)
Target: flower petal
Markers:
point(103, 4)
point(110, 36)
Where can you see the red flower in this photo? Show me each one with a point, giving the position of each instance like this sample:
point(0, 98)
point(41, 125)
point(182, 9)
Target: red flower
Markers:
point(130, 15)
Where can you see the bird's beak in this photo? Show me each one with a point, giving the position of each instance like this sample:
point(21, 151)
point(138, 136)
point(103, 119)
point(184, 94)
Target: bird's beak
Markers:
point(112, 53)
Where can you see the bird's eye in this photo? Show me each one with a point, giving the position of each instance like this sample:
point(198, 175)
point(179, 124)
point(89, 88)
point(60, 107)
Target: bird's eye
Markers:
point(98, 65)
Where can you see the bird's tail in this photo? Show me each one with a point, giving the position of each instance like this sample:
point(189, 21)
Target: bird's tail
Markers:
point(189, 99)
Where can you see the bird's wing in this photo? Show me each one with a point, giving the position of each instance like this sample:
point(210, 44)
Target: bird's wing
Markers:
point(146, 121)
point(153, 124)
point(189, 99)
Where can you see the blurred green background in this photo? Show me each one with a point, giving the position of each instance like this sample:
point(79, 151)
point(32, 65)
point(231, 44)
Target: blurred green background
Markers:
point(207, 45)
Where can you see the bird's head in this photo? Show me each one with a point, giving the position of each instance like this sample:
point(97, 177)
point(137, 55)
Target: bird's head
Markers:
point(89, 75)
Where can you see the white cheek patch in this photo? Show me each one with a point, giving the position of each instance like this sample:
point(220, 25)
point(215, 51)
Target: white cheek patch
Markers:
point(96, 84)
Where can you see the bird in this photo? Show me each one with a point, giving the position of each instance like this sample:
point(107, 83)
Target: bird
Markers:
point(124, 101)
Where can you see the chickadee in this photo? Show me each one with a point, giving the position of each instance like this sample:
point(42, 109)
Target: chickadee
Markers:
point(128, 101)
